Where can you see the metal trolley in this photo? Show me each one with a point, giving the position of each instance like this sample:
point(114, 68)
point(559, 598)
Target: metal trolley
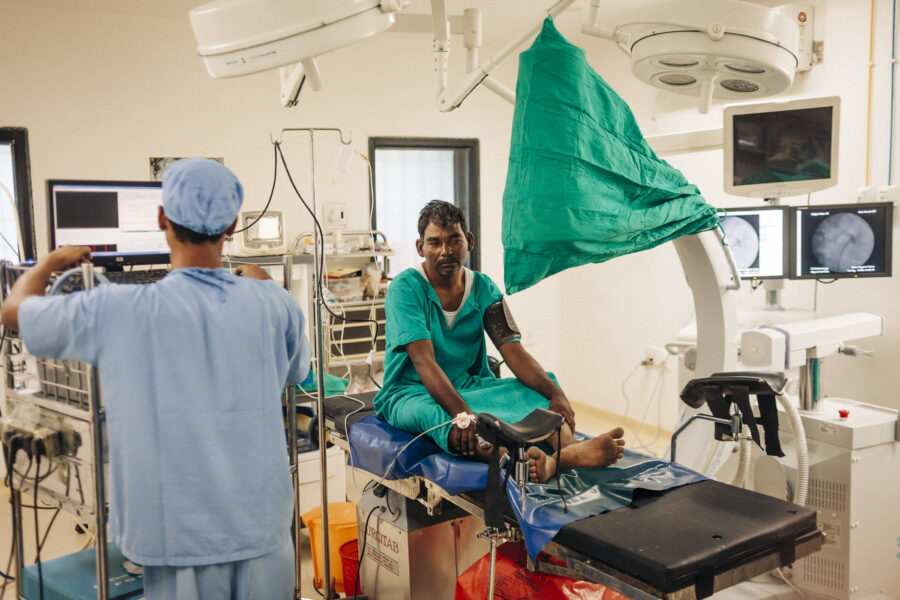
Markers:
point(64, 397)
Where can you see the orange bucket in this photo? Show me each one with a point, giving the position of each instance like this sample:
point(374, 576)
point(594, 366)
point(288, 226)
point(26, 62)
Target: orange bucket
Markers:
point(341, 529)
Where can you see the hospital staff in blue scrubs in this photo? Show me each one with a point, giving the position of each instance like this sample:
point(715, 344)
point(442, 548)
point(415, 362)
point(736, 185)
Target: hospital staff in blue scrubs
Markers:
point(436, 357)
point(192, 368)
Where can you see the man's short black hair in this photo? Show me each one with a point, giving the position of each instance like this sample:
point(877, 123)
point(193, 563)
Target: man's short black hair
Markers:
point(443, 214)
point(189, 236)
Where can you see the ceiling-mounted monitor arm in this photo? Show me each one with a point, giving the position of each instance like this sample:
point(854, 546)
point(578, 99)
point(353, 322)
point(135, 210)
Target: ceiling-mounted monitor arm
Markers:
point(293, 77)
point(450, 97)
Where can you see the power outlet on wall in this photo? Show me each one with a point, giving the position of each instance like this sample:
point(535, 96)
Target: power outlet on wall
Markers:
point(335, 215)
point(654, 355)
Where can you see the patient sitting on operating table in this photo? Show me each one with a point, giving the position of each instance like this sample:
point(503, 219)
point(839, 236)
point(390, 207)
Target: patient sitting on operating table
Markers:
point(436, 367)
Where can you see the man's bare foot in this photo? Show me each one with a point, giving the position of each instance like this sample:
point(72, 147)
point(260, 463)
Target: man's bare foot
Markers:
point(541, 467)
point(601, 451)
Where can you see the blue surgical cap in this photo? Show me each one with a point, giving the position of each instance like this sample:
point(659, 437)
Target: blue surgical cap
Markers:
point(202, 195)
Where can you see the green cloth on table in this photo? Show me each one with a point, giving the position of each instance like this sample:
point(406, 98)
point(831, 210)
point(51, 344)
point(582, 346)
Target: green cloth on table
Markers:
point(333, 385)
point(583, 185)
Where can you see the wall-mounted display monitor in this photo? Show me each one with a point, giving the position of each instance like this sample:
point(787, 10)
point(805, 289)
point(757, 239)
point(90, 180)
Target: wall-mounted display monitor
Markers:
point(758, 239)
point(777, 149)
point(117, 219)
point(841, 240)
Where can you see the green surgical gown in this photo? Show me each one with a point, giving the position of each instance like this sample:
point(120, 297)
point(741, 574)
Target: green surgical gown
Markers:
point(413, 312)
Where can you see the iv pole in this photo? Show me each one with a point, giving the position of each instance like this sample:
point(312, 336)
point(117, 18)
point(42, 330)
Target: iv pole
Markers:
point(318, 247)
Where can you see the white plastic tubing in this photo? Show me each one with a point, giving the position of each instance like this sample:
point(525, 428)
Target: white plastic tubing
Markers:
point(746, 444)
point(802, 486)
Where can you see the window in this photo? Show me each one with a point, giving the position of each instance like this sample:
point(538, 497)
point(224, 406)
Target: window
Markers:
point(16, 215)
point(408, 173)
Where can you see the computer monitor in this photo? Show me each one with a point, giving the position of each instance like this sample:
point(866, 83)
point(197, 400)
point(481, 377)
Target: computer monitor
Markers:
point(117, 219)
point(16, 214)
point(758, 239)
point(841, 240)
point(777, 149)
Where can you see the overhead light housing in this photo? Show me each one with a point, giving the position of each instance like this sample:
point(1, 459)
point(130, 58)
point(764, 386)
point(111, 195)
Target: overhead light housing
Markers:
point(728, 49)
point(239, 37)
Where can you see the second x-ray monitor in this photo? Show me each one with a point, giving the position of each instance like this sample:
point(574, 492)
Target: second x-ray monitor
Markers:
point(842, 240)
point(778, 149)
point(758, 239)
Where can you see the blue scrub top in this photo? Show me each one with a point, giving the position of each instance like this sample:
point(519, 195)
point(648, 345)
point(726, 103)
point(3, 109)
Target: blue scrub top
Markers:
point(192, 369)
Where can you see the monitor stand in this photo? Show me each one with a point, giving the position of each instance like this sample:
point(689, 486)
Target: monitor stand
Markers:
point(773, 287)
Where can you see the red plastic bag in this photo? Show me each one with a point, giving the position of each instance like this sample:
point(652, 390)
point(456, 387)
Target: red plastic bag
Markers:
point(514, 582)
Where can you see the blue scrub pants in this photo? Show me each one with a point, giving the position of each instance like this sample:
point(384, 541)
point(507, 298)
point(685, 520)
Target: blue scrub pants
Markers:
point(267, 577)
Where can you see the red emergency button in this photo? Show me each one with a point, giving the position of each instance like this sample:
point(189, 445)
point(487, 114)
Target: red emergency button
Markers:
point(844, 413)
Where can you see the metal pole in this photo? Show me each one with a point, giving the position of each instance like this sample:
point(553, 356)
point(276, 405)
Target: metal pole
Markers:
point(98, 418)
point(493, 571)
point(19, 533)
point(318, 246)
point(810, 388)
point(291, 404)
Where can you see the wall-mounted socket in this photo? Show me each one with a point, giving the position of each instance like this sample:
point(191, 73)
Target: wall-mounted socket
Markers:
point(654, 355)
point(335, 215)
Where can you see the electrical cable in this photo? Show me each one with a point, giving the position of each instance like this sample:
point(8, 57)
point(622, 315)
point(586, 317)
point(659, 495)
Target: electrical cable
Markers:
point(869, 98)
point(893, 89)
point(319, 260)
point(37, 534)
point(796, 589)
point(268, 202)
point(10, 449)
point(362, 551)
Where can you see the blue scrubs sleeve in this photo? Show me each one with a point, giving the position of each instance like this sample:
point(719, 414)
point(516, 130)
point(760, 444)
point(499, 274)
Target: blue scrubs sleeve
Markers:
point(62, 327)
point(405, 313)
point(297, 344)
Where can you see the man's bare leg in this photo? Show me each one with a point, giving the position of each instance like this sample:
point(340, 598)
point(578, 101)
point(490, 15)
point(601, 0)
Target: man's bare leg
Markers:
point(600, 451)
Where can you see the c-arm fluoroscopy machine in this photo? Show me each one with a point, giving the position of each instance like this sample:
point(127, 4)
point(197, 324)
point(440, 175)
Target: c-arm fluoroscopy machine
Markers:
point(853, 454)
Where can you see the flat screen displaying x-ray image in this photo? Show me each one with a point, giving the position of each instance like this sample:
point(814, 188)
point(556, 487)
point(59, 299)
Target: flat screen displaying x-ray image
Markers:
point(845, 240)
point(758, 239)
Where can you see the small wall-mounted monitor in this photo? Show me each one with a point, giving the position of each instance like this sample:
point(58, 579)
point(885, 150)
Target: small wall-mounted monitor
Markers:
point(777, 149)
point(263, 233)
point(758, 239)
point(117, 219)
point(842, 240)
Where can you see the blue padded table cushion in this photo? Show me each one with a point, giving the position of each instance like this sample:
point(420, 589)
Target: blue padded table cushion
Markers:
point(588, 491)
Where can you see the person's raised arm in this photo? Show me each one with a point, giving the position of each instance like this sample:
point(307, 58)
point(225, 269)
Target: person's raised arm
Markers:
point(34, 281)
point(439, 387)
point(528, 371)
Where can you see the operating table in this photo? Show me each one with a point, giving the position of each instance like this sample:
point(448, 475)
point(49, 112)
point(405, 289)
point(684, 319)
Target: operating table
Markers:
point(681, 543)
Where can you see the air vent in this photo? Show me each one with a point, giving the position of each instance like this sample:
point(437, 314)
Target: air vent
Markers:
point(827, 495)
point(829, 574)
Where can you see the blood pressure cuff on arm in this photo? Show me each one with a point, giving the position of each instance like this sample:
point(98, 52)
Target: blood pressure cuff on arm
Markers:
point(499, 324)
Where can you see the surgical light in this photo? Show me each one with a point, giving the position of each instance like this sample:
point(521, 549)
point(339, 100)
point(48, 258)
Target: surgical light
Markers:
point(729, 49)
point(239, 37)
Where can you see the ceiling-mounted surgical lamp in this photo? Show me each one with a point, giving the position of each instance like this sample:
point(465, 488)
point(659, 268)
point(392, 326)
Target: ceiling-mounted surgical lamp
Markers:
point(729, 49)
point(239, 37)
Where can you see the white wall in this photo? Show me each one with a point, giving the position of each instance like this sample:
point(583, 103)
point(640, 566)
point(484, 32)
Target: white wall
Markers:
point(101, 92)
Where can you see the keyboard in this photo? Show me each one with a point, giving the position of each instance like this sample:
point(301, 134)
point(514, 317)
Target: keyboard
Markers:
point(74, 282)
